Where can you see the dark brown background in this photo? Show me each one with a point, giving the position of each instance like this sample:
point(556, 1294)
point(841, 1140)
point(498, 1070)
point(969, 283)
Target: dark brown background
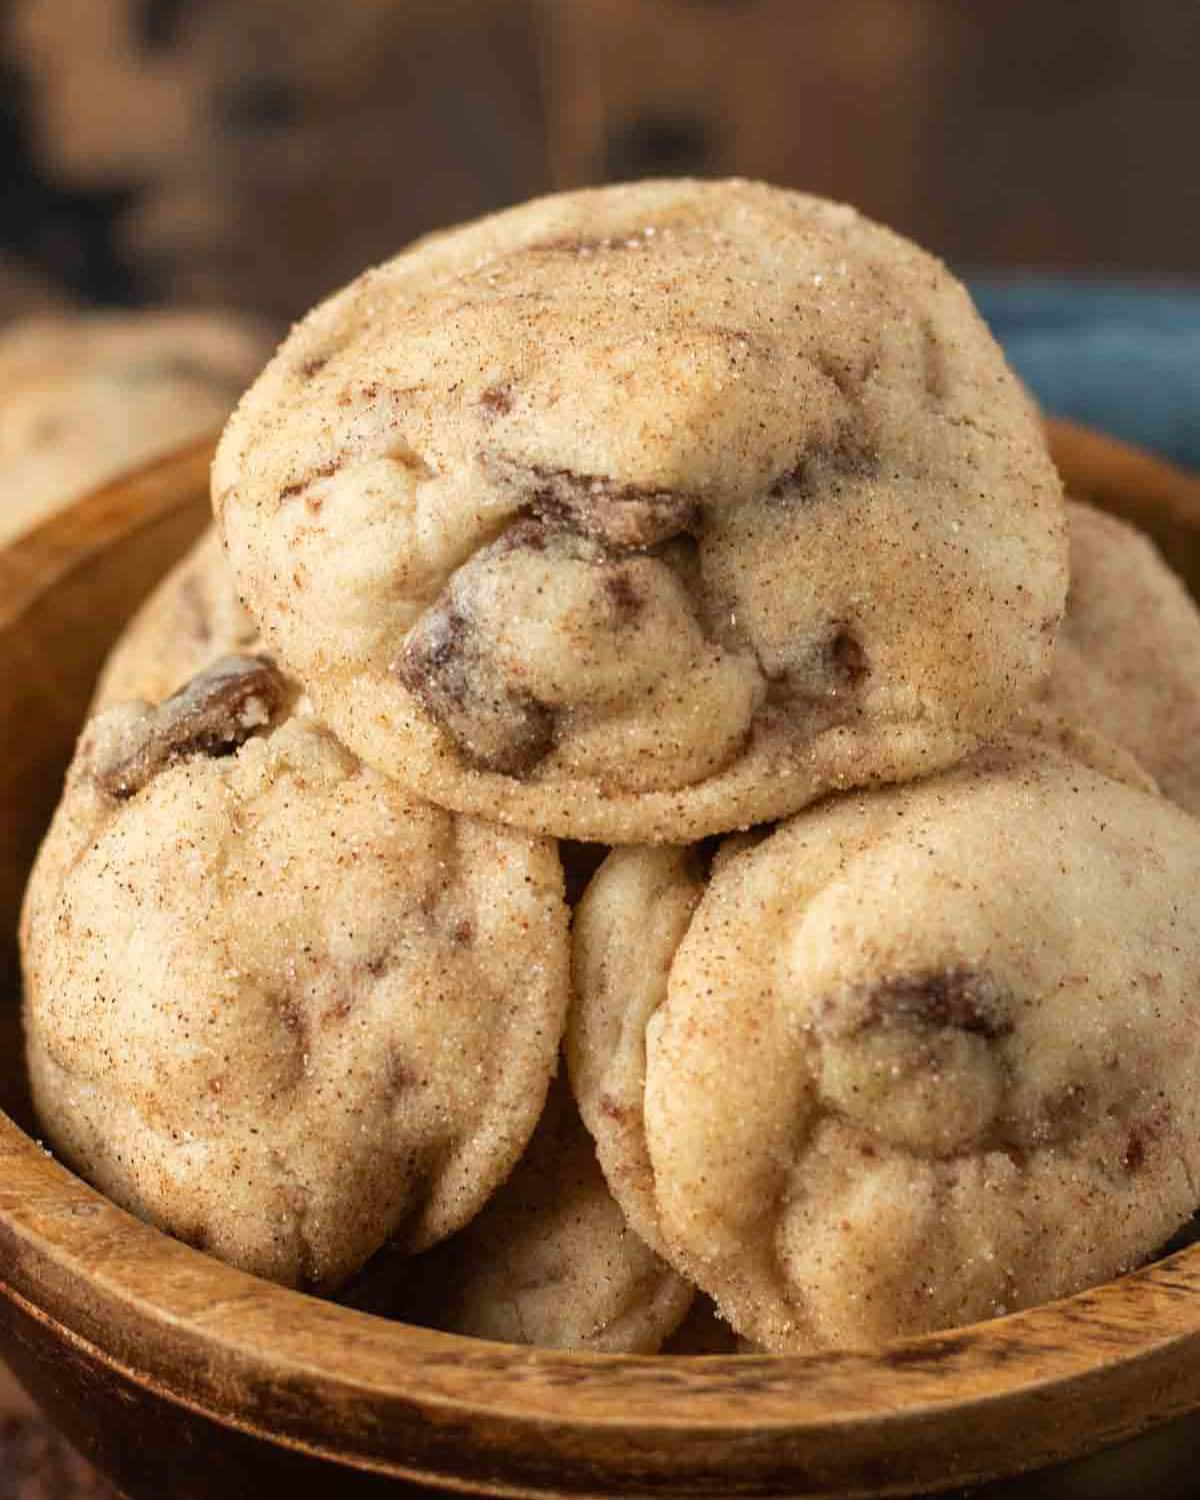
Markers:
point(259, 152)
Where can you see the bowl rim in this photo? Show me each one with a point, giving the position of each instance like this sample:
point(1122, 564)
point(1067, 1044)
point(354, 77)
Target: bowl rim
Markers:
point(943, 1409)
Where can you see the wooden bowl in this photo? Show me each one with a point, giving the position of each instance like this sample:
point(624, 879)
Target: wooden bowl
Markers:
point(180, 1376)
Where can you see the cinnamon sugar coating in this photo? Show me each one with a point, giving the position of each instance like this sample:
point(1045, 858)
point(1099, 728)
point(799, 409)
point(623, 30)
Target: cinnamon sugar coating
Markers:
point(919, 1057)
point(274, 1003)
point(649, 512)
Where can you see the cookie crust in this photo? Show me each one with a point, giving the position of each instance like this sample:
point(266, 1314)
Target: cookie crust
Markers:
point(549, 1262)
point(274, 1003)
point(192, 619)
point(1127, 658)
point(624, 515)
point(920, 1057)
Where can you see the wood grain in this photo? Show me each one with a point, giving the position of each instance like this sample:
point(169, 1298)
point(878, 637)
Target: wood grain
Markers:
point(179, 1375)
point(996, 134)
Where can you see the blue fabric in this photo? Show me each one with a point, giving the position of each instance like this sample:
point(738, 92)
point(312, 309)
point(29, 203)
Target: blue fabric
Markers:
point(1123, 358)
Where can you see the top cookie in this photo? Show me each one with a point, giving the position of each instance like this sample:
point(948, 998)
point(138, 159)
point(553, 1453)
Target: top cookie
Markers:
point(626, 514)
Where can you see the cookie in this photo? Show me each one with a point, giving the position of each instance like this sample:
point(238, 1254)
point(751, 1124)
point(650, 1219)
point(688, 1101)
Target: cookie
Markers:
point(919, 1057)
point(623, 515)
point(550, 1261)
point(1127, 659)
point(627, 931)
point(274, 1004)
point(85, 397)
point(192, 619)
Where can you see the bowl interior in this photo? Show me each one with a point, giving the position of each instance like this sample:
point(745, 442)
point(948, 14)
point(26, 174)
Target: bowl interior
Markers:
point(70, 587)
point(1041, 1385)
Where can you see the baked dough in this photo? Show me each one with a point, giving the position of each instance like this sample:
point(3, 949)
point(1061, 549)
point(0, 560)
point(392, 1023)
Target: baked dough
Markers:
point(648, 512)
point(921, 1056)
point(1127, 659)
point(275, 1004)
point(550, 1261)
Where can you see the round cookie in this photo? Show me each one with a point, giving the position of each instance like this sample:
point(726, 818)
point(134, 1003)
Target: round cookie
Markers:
point(1127, 658)
point(623, 515)
point(921, 1056)
point(192, 619)
point(549, 1262)
point(627, 930)
point(273, 1003)
point(84, 397)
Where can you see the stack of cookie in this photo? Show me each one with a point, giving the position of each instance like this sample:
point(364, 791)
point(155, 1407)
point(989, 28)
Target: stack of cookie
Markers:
point(694, 540)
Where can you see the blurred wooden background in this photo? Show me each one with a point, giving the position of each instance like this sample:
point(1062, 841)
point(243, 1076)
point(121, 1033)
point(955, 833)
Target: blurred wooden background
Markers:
point(259, 152)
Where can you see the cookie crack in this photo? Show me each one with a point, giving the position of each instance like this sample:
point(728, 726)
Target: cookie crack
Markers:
point(627, 516)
